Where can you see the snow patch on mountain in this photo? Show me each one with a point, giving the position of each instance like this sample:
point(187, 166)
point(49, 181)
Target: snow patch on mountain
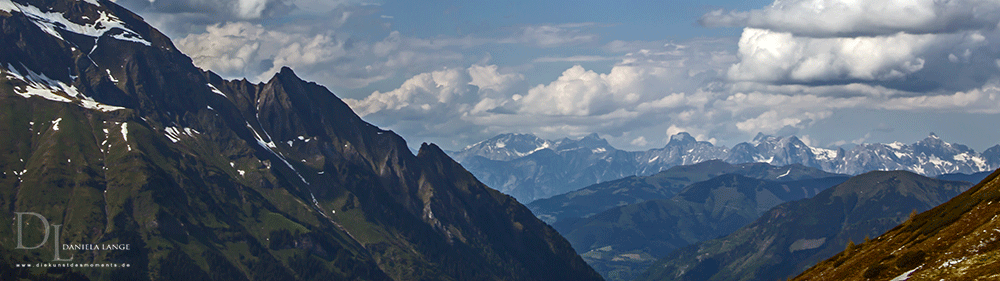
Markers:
point(52, 22)
point(39, 85)
point(216, 90)
point(125, 135)
point(174, 134)
point(785, 174)
point(269, 146)
point(507, 146)
point(112, 77)
point(7, 6)
point(896, 145)
point(55, 124)
point(823, 154)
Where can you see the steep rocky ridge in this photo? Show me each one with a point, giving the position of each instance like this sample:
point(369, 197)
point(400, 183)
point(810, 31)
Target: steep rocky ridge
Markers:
point(110, 132)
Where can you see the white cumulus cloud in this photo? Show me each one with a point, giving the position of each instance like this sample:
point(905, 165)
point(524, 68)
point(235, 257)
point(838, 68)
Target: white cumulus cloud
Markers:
point(772, 56)
point(926, 46)
point(243, 49)
point(850, 18)
point(443, 94)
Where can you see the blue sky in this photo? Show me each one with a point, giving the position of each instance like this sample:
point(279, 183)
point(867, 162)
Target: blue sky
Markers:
point(624, 20)
point(833, 72)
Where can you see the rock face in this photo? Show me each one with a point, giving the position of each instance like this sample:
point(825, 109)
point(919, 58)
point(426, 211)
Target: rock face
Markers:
point(795, 235)
point(110, 132)
point(530, 168)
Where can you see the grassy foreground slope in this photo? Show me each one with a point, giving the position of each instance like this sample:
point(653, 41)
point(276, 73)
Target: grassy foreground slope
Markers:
point(958, 240)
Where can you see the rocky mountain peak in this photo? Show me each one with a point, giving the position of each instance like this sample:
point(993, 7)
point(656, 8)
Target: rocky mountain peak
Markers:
point(933, 145)
point(992, 156)
point(681, 139)
point(594, 141)
point(932, 139)
point(795, 141)
point(505, 147)
point(761, 137)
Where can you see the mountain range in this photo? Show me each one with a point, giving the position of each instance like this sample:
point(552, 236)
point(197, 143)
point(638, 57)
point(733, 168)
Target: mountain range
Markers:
point(600, 197)
point(113, 137)
point(796, 235)
point(622, 242)
point(530, 168)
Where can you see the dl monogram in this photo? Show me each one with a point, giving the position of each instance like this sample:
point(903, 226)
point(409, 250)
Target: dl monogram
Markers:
point(45, 223)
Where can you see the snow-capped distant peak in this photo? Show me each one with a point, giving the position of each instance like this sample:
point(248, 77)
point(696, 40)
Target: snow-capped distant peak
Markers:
point(682, 138)
point(506, 147)
point(824, 154)
point(896, 145)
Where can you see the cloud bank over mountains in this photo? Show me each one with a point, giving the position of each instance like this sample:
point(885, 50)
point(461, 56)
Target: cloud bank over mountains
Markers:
point(643, 89)
point(795, 64)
